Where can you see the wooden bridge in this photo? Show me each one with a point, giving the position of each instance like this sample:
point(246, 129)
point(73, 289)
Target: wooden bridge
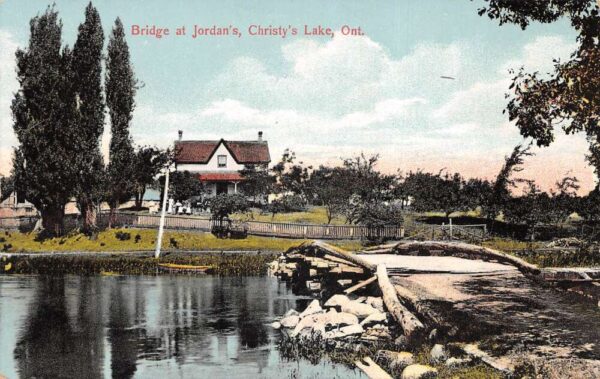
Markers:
point(453, 291)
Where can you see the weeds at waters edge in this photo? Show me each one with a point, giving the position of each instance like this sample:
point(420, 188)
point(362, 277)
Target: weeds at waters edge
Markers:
point(224, 265)
point(314, 349)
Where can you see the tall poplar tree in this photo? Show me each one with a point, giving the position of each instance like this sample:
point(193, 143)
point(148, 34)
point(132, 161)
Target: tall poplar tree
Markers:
point(44, 121)
point(120, 90)
point(87, 59)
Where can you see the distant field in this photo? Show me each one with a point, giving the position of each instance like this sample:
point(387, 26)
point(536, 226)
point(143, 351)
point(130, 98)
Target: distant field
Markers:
point(145, 239)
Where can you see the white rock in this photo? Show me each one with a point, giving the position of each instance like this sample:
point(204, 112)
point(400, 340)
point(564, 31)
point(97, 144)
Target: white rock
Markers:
point(290, 321)
point(276, 325)
point(291, 312)
point(361, 299)
point(359, 309)
point(375, 302)
point(318, 322)
point(351, 330)
point(438, 353)
point(454, 362)
point(313, 307)
point(375, 318)
point(337, 301)
point(419, 372)
point(397, 360)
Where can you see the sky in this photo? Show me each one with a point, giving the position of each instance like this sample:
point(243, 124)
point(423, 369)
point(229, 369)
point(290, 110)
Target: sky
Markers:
point(325, 97)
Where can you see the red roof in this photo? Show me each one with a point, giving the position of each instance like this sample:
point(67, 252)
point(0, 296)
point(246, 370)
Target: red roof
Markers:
point(244, 152)
point(221, 177)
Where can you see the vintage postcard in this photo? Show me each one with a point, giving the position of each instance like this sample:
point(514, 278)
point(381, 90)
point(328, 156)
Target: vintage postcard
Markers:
point(300, 189)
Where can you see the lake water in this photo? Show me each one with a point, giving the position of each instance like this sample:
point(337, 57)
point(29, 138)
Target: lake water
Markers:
point(147, 327)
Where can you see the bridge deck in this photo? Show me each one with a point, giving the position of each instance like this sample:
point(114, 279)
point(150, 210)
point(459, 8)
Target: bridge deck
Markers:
point(397, 264)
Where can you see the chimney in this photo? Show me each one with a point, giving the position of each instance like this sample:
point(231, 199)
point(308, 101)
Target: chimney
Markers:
point(180, 135)
point(260, 136)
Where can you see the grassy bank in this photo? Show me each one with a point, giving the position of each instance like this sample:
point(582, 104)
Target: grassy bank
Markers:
point(145, 239)
point(115, 264)
point(585, 257)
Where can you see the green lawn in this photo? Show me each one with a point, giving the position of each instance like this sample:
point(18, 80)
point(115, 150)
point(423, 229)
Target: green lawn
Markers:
point(108, 240)
point(313, 215)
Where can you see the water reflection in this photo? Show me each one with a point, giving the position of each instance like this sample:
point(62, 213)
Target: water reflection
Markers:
point(125, 327)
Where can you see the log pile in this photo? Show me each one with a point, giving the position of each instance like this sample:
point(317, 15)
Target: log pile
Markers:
point(324, 270)
point(313, 267)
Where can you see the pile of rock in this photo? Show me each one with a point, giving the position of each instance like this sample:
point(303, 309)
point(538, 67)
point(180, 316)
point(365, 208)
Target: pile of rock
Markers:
point(340, 317)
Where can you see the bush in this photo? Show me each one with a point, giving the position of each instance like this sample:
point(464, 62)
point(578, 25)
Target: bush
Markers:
point(123, 236)
point(288, 203)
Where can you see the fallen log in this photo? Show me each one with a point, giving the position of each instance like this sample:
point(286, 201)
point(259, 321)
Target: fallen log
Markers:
point(412, 327)
point(433, 317)
point(360, 285)
point(341, 253)
point(372, 369)
point(460, 248)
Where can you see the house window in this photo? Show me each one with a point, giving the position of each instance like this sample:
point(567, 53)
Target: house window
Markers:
point(222, 160)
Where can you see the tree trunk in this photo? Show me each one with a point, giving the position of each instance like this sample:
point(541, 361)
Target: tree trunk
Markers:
point(139, 199)
point(112, 214)
point(53, 220)
point(88, 216)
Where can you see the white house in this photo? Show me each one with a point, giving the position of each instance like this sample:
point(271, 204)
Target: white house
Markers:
point(218, 163)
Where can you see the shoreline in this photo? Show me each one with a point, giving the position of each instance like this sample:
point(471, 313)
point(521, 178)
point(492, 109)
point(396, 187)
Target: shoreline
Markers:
point(251, 263)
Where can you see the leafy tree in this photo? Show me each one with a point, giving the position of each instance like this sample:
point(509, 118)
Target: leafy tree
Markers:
point(120, 87)
point(589, 206)
point(564, 199)
point(290, 176)
point(7, 186)
point(368, 185)
point(87, 57)
point(182, 185)
point(44, 113)
point(500, 192)
point(530, 209)
point(223, 205)
point(437, 192)
point(568, 97)
point(149, 161)
point(257, 182)
point(331, 188)
point(287, 203)
point(377, 215)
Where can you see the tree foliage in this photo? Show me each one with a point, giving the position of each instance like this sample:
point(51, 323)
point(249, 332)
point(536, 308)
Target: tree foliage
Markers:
point(183, 185)
point(257, 182)
point(7, 186)
point(149, 161)
point(45, 122)
point(290, 176)
point(568, 97)
point(87, 75)
point(120, 87)
point(223, 205)
point(331, 187)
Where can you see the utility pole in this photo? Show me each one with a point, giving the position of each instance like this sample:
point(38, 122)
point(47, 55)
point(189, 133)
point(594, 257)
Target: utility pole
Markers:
point(161, 225)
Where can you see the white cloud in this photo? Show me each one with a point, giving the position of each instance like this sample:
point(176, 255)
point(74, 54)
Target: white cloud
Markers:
point(539, 54)
point(8, 86)
point(350, 95)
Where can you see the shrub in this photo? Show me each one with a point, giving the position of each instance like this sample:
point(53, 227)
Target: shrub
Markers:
point(123, 236)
